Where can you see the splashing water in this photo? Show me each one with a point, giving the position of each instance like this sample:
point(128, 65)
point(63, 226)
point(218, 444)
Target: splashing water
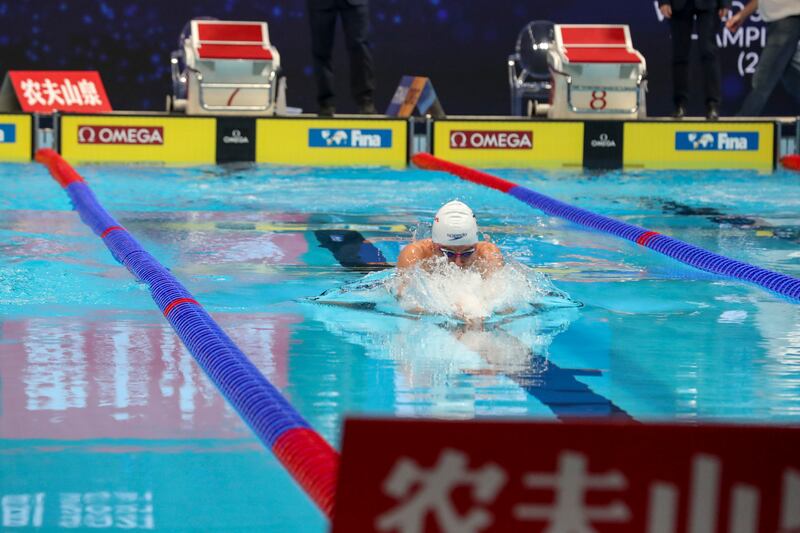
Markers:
point(447, 291)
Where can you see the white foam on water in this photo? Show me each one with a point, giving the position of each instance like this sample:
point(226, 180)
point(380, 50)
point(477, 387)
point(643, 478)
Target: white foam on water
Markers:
point(732, 317)
point(448, 290)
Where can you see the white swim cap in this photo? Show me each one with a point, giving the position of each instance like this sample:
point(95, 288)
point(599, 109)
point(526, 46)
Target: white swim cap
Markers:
point(454, 225)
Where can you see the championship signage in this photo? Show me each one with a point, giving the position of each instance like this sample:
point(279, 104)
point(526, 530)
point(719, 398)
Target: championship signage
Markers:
point(688, 145)
point(509, 144)
point(332, 142)
point(45, 91)
point(16, 138)
point(138, 139)
point(497, 476)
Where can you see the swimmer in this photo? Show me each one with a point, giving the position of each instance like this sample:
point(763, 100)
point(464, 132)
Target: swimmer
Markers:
point(454, 236)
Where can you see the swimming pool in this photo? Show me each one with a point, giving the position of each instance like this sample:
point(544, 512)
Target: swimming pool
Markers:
point(106, 421)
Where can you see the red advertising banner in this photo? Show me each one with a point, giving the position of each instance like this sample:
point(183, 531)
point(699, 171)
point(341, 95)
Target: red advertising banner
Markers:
point(409, 476)
point(45, 91)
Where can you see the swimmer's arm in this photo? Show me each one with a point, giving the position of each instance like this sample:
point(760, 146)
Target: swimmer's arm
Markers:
point(493, 261)
point(402, 282)
point(409, 256)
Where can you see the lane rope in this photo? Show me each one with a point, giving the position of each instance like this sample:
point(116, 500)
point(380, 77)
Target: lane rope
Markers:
point(301, 450)
point(676, 249)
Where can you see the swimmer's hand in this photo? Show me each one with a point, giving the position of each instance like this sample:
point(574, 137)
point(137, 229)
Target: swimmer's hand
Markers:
point(475, 322)
point(471, 321)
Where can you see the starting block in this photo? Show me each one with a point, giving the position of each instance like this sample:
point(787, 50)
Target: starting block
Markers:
point(596, 73)
point(226, 66)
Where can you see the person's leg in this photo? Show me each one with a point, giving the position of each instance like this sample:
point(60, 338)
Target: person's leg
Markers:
point(355, 20)
point(707, 25)
point(791, 76)
point(323, 29)
point(776, 56)
point(681, 29)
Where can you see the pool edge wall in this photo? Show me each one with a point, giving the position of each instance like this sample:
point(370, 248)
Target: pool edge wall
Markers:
point(481, 142)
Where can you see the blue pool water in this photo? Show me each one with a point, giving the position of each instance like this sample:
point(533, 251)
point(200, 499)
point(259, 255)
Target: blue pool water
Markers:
point(107, 422)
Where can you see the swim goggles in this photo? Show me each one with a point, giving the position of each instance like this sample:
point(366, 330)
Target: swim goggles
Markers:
point(452, 254)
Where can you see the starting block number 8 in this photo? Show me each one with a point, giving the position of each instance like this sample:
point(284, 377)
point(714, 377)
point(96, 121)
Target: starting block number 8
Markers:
point(603, 99)
point(598, 100)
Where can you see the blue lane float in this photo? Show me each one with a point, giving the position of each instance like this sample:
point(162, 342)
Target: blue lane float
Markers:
point(689, 254)
point(303, 452)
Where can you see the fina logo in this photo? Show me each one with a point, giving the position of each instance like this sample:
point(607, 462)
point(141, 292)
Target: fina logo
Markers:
point(236, 137)
point(338, 137)
point(603, 142)
point(725, 141)
point(349, 138)
point(8, 133)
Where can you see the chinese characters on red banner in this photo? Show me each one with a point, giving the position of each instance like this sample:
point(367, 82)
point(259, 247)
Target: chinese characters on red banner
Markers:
point(472, 477)
point(48, 91)
point(420, 492)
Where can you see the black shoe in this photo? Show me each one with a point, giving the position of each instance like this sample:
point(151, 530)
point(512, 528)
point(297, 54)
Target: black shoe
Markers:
point(712, 111)
point(679, 111)
point(326, 110)
point(367, 108)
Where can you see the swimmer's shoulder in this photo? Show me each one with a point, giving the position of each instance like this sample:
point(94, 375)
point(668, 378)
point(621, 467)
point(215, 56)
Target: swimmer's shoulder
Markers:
point(490, 254)
point(486, 248)
point(415, 252)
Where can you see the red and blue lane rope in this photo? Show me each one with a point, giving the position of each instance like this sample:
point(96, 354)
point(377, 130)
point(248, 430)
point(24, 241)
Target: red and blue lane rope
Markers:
point(302, 451)
point(686, 253)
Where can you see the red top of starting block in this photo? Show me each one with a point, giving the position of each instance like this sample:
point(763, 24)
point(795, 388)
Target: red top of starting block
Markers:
point(227, 32)
point(600, 55)
point(597, 35)
point(232, 40)
point(232, 51)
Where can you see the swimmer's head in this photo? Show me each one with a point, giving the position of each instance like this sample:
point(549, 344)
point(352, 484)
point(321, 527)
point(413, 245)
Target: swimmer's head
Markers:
point(454, 225)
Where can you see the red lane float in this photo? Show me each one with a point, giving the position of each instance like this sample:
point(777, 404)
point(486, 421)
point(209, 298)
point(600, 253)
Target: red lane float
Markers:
point(429, 162)
point(792, 161)
point(61, 171)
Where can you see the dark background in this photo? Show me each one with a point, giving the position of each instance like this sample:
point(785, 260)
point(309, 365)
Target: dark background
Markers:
point(462, 45)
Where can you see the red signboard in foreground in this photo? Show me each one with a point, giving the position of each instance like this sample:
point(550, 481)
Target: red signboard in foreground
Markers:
point(411, 476)
point(45, 91)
